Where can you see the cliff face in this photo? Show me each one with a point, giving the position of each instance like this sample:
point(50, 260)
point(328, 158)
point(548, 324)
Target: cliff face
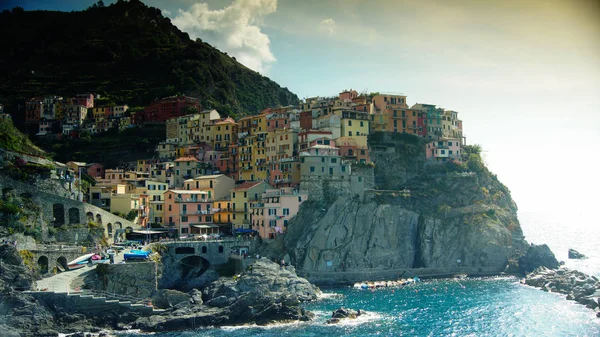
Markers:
point(431, 221)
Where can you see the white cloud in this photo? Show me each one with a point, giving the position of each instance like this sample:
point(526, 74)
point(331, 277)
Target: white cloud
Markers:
point(166, 12)
point(234, 29)
point(328, 26)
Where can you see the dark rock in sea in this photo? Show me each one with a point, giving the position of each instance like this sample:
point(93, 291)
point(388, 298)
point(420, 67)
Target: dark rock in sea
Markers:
point(343, 313)
point(579, 287)
point(573, 254)
point(265, 293)
point(537, 256)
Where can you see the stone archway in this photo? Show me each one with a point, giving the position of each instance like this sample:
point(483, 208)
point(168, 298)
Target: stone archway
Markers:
point(220, 249)
point(193, 266)
point(89, 216)
point(184, 250)
point(62, 262)
point(204, 249)
point(43, 264)
point(74, 216)
point(58, 212)
point(98, 219)
point(109, 228)
point(119, 225)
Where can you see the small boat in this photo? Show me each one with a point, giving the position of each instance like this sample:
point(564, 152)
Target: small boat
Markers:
point(136, 255)
point(75, 266)
point(82, 258)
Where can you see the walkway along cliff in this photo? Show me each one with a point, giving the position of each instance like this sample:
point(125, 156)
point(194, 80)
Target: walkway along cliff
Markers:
point(409, 218)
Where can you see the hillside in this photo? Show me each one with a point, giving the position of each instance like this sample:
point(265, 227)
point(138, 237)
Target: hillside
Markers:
point(128, 51)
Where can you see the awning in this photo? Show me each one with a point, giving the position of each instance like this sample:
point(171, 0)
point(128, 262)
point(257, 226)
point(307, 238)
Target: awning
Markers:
point(205, 226)
point(244, 231)
point(147, 232)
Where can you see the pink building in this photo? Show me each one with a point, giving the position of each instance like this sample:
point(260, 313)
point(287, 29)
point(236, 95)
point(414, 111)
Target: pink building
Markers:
point(348, 95)
point(87, 100)
point(189, 211)
point(443, 150)
point(271, 214)
point(95, 170)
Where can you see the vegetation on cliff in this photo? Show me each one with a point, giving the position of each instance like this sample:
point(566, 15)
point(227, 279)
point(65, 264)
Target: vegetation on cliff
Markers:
point(127, 51)
point(13, 140)
point(110, 148)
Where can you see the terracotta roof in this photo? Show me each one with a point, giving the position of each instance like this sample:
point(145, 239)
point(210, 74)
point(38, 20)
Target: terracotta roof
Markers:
point(187, 158)
point(246, 185)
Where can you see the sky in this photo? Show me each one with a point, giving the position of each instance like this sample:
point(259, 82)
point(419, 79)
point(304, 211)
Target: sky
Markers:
point(523, 75)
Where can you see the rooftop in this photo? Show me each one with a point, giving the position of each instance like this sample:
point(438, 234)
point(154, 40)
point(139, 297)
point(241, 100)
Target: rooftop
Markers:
point(246, 185)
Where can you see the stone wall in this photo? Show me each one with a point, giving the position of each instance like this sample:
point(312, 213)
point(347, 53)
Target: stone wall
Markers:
point(138, 280)
point(58, 211)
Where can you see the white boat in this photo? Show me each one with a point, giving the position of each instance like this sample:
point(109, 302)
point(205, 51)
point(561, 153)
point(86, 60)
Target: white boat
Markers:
point(81, 259)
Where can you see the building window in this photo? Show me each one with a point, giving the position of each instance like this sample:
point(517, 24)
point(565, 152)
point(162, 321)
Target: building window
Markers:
point(333, 160)
point(184, 230)
point(349, 123)
point(184, 219)
point(312, 169)
point(286, 211)
point(272, 223)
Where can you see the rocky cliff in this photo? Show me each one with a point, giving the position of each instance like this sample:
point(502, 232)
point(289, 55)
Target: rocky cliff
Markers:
point(413, 220)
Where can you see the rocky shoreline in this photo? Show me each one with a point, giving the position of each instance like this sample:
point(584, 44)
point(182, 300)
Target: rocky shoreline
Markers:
point(264, 293)
point(579, 287)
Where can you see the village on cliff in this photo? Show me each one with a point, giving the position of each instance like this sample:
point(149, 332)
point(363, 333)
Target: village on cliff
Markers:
point(219, 176)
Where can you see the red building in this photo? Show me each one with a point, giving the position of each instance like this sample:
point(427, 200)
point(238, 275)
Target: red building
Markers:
point(422, 124)
point(33, 109)
point(95, 170)
point(163, 109)
point(306, 120)
point(86, 100)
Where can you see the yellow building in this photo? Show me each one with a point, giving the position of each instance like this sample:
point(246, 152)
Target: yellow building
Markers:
point(241, 196)
point(224, 133)
point(99, 112)
point(245, 160)
point(355, 124)
point(154, 190)
point(223, 211)
point(124, 199)
point(218, 186)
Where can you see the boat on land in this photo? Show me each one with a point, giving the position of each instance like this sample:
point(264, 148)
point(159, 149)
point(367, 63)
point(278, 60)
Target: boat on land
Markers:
point(136, 255)
point(77, 263)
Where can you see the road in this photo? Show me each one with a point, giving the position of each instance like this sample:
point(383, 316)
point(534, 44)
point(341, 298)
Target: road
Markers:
point(69, 281)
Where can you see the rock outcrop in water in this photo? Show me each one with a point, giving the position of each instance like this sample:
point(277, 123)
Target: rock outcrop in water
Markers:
point(579, 287)
point(573, 254)
point(535, 257)
point(264, 293)
point(343, 313)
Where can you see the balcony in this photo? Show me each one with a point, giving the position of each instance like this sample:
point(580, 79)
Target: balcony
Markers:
point(257, 205)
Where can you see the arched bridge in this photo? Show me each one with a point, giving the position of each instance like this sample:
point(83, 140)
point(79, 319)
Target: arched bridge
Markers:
point(214, 251)
point(54, 258)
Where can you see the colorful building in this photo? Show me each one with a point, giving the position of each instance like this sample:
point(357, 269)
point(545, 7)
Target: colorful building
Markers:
point(271, 214)
point(165, 108)
point(185, 209)
point(443, 150)
point(241, 197)
point(218, 186)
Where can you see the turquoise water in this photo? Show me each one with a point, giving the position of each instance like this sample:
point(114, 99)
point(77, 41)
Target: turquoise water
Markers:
point(473, 307)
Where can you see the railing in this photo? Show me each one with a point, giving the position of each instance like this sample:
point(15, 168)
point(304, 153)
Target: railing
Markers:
point(257, 205)
point(113, 296)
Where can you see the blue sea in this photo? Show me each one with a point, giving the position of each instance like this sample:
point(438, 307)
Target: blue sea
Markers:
point(497, 306)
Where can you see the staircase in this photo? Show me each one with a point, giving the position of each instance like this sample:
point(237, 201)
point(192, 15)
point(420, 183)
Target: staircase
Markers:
point(89, 302)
